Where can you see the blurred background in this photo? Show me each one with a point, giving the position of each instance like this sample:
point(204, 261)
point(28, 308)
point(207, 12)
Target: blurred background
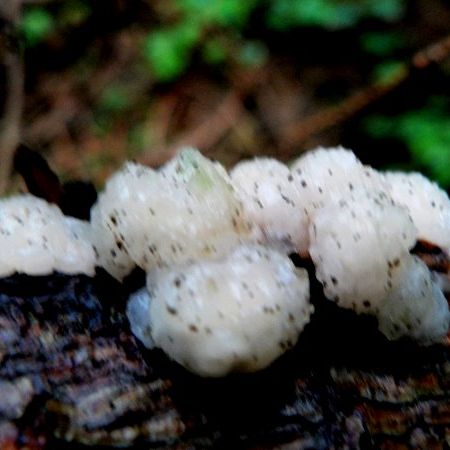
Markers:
point(106, 81)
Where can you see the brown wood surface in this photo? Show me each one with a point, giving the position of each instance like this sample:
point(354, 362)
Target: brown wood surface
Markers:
point(72, 375)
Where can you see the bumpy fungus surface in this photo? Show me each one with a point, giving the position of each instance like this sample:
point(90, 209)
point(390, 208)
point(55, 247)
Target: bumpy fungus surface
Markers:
point(415, 307)
point(428, 205)
point(109, 214)
point(357, 246)
point(36, 239)
point(235, 314)
point(187, 210)
point(273, 202)
point(193, 228)
point(325, 175)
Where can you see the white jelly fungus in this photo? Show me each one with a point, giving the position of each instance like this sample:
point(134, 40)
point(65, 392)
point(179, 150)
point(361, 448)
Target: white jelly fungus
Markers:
point(109, 216)
point(138, 311)
point(428, 205)
point(415, 306)
point(222, 296)
point(187, 210)
point(357, 245)
point(272, 201)
point(37, 239)
point(326, 175)
point(193, 228)
point(239, 313)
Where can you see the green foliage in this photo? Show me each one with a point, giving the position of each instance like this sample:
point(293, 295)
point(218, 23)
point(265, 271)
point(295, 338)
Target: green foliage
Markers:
point(225, 13)
point(36, 25)
point(426, 133)
point(168, 50)
point(385, 72)
point(214, 27)
point(215, 30)
point(330, 14)
point(382, 43)
point(214, 51)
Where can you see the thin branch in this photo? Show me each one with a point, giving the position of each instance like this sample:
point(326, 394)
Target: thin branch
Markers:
point(434, 53)
point(299, 132)
point(10, 124)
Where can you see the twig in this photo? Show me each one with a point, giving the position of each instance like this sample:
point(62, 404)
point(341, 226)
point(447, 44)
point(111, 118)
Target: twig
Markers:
point(10, 125)
point(297, 133)
point(434, 53)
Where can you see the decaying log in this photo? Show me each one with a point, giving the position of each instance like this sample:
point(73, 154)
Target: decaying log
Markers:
point(72, 375)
